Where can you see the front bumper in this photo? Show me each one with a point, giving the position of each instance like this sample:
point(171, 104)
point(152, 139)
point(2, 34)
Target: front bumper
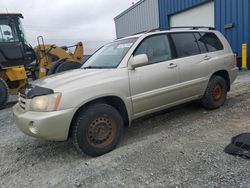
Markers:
point(233, 74)
point(46, 125)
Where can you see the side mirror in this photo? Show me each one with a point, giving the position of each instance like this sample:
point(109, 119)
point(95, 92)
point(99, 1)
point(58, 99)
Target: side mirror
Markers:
point(139, 61)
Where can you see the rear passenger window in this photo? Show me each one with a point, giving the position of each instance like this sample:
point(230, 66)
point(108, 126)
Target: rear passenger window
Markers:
point(201, 43)
point(212, 42)
point(185, 44)
point(156, 47)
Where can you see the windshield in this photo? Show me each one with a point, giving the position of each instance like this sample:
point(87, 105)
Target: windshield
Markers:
point(7, 31)
point(110, 55)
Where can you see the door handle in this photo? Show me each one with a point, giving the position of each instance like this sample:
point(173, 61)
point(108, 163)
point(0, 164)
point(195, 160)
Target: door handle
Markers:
point(172, 65)
point(207, 57)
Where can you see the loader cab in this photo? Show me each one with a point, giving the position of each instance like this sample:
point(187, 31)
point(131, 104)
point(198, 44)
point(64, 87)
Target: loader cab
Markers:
point(14, 49)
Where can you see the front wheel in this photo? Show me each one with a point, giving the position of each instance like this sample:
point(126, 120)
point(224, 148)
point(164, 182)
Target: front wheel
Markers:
point(97, 129)
point(216, 93)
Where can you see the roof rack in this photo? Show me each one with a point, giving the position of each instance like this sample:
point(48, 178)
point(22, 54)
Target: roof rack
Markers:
point(193, 27)
point(178, 27)
point(152, 30)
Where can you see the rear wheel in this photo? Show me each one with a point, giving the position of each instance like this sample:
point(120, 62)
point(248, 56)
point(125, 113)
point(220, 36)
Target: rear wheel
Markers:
point(97, 129)
point(4, 93)
point(216, 93)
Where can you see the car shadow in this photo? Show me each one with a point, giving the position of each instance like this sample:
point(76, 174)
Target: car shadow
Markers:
point(156, 122)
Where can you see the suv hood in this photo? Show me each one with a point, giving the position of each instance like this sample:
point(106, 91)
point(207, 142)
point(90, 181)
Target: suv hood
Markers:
point(64, 79)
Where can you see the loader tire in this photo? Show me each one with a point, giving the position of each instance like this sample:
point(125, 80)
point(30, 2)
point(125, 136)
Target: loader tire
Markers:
point(52, 70)
point(67, 65)
point(4, 93)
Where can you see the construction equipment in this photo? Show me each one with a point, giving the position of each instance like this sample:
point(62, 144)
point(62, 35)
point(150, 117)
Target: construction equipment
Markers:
point(19, 62)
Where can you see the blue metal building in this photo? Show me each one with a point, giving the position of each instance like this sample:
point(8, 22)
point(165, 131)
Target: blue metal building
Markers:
point(231, 17)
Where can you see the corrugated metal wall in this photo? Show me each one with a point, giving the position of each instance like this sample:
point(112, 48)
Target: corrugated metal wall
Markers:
point(238, 13)
point(226, 12)
point(142, 16)
point(152, 14)
point(168, 7)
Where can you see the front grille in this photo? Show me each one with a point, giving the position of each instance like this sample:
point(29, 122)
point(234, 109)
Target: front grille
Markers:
point(22, 102)
point(25, 90)
point(23, 99)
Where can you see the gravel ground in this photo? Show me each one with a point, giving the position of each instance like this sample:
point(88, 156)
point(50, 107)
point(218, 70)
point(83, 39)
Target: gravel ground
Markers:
point(181, 147)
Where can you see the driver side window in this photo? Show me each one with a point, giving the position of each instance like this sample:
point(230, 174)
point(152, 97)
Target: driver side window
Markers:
point(7, 34)
point(156, 47)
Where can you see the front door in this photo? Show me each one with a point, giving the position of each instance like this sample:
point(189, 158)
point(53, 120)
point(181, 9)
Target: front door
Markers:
point(11, 48)
point(155, 85)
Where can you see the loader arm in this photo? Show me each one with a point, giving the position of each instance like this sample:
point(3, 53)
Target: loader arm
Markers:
point(78, 53)
point(49, 54)
point(59, 52)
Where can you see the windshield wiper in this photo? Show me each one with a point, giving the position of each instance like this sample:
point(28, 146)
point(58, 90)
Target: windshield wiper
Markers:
point(97, 67)
point(93, 67)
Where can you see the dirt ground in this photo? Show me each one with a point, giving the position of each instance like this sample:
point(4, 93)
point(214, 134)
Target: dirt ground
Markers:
point(181, 147)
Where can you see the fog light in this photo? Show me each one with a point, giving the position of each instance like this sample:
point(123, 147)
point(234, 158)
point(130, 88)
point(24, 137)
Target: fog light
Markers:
point(33, 128)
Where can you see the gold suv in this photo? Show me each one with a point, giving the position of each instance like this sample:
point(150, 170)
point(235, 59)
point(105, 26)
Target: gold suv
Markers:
point(124, 80)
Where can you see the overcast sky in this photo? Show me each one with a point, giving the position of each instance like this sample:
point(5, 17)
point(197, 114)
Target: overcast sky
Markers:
point(65, 22)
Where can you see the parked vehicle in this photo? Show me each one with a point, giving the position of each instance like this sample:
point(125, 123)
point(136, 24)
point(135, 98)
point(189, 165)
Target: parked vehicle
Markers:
point(124, 80)
point(20, 62)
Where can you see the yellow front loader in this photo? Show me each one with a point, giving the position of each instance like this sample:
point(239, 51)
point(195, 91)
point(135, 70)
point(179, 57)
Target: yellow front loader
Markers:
point(20, 63)
point(53, 59)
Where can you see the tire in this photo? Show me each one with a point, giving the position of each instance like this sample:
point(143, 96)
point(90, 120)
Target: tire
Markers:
point(216, 93)
point(52, 70)
point(67, 65)
point(4, 93)
point(97, 129)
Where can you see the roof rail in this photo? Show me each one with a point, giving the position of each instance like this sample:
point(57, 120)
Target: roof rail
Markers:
point(178, 27)
point(142, 32)
point(193, 27)
point(152, 30)
point(145, 32)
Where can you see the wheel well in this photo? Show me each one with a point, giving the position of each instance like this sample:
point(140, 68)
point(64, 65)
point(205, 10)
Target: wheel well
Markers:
point(224, 74)
point(114, 101)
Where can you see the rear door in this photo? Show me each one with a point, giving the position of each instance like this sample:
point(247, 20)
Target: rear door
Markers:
point(154, 86)
point(193, 61)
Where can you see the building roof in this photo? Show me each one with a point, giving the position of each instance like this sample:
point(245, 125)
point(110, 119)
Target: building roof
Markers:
point(129, 9)
point(12, 15)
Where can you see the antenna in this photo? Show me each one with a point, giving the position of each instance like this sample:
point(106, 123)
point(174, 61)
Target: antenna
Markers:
point(6, 10)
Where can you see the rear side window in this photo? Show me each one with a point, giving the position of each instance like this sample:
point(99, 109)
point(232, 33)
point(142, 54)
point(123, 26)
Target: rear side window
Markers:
point(212, 42)
point(201, 43)
point(185, 44)
point(156, 47)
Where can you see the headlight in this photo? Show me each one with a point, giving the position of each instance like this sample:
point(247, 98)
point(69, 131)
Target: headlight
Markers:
point(45, 103)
